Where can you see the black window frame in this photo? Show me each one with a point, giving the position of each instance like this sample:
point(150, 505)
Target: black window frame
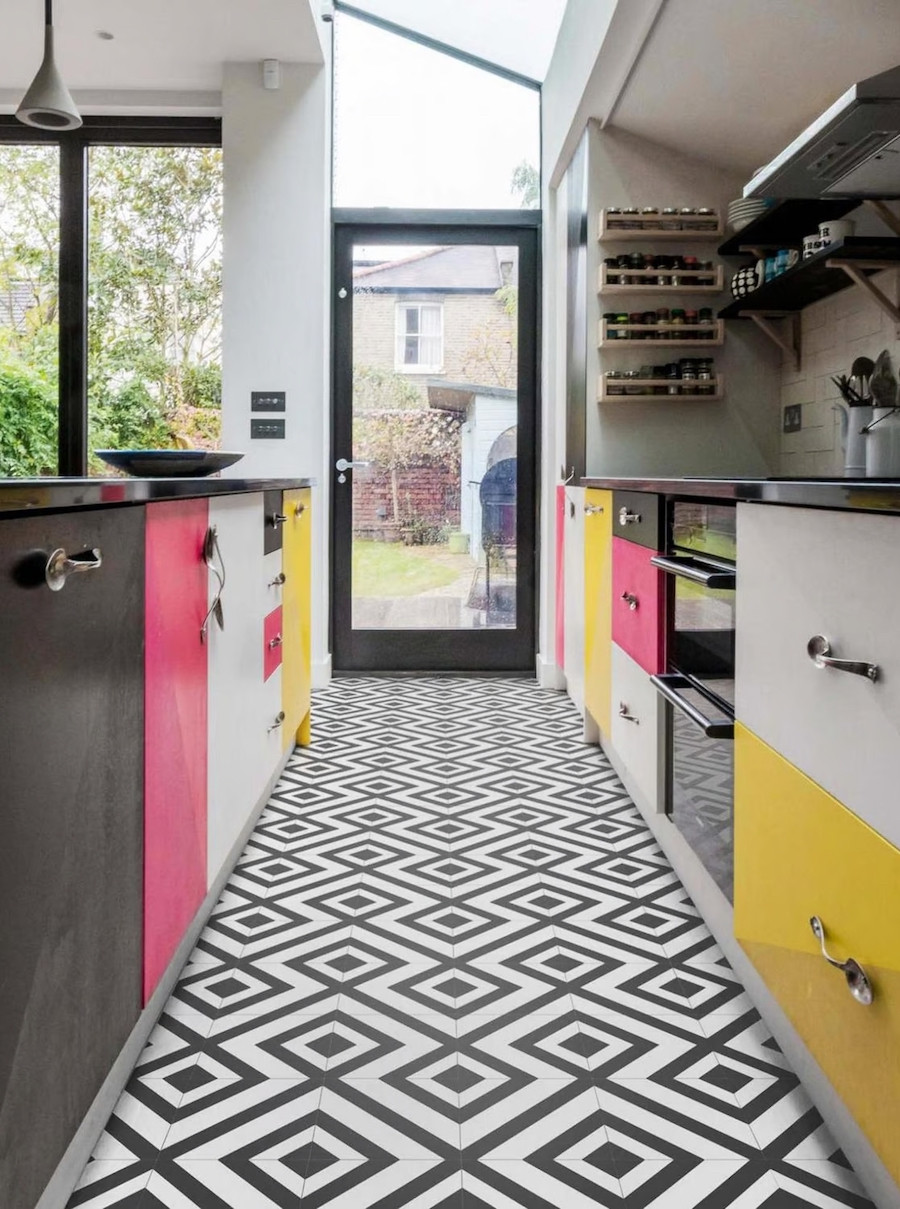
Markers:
point(74, 145)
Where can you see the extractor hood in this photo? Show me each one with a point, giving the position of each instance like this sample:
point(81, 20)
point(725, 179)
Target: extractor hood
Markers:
point(852, 150)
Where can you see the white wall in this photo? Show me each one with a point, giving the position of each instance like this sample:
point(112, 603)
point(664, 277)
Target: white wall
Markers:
point(276, 283)
point(738, 436)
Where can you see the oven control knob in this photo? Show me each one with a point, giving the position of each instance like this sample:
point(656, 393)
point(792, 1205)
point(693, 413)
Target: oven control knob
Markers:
point(627, 517)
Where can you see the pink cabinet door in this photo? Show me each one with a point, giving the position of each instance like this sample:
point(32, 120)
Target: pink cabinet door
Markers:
point(272, 642)
point(638, 605)
point(175, 729)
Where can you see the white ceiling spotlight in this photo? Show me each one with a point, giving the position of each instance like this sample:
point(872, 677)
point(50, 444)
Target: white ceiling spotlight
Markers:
point(48, 103)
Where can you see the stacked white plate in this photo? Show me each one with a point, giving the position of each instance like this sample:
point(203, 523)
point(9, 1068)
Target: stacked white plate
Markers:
point(744, 209)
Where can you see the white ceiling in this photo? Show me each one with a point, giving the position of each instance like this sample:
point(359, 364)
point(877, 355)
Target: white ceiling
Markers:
point(734, 81)
point(159, 45)
point(516, 34)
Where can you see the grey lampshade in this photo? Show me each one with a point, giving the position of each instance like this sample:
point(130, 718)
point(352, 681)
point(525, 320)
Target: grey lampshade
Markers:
point(48, 103)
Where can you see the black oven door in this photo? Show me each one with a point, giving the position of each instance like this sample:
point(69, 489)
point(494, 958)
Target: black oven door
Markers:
point(699, 729)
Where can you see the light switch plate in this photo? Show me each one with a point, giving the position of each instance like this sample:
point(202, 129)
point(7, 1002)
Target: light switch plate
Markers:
point(267, 430)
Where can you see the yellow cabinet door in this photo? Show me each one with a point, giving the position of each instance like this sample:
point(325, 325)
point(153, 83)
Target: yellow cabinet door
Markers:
point(799, 853)
point(296, 671)
point(597, 602)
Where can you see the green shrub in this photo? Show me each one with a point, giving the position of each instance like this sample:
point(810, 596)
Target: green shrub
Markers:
point(28, 424)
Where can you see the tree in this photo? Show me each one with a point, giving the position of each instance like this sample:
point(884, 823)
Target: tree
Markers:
point(155, 287)
point(526, 183)
point(392, 429)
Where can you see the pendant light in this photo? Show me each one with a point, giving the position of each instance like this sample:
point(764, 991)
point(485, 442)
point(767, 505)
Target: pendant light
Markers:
point(48, 103)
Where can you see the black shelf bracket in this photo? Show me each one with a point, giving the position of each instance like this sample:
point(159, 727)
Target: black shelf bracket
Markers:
point(787, 337)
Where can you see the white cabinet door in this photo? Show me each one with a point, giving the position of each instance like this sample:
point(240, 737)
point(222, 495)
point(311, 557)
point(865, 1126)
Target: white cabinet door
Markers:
point(637, 736)
point(242, 752)
point(803, 572)
point(573, 580)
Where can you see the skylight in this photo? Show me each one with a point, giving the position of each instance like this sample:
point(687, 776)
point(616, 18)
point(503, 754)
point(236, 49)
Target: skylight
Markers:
point(518, 35)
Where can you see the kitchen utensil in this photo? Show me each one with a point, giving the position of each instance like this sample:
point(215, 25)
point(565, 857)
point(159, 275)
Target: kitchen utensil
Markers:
point(883, 383)
point(168, 463)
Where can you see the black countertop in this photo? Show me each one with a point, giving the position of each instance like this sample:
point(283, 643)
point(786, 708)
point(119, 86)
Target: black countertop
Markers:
point(868, 495)
point(58, 495)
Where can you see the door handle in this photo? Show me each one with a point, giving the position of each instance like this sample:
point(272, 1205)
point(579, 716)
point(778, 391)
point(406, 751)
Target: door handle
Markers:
point(857, 979)
point(819, 650)
point(279, 718)
point(625, 713)
point(593, 509)
point(276, 519)
point(279, 579)
point(274, 642)
point(631, 600)
point(60, 566)
point(342, 464)
point(627, 517)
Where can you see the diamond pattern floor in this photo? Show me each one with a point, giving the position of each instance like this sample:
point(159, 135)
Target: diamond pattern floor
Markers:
point(453, 970)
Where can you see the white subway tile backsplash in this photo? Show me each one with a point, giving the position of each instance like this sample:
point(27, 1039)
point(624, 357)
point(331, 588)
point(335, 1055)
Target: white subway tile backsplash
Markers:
point(835, 332)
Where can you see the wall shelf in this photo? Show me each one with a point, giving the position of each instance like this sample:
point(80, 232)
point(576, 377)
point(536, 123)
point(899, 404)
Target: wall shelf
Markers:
point(700, 340)
point(649, 385)
point(816, 278)
point(785, 225)
point(612, 228)
point(648, 281)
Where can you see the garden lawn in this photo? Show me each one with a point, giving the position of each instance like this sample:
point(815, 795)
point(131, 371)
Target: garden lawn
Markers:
point(392, 569)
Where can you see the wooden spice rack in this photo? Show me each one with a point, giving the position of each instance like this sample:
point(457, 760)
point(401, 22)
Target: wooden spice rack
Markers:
point(688, 283)
point(621, 227)
point(689, 335)
point(649, 385)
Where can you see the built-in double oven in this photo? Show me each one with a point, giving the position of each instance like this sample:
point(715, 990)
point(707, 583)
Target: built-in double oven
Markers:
point(698, 686)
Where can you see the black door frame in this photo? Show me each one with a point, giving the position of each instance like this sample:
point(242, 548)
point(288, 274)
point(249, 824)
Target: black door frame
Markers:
point(475, 650)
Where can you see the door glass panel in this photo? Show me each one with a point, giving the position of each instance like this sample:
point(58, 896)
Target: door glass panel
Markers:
point(435, 403)
point(155, 299)
point(29, 310)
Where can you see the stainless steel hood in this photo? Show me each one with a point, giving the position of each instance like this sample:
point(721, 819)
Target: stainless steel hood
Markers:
point(852, 150)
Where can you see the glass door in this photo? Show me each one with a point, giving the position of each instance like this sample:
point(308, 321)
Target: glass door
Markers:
point(434, 459)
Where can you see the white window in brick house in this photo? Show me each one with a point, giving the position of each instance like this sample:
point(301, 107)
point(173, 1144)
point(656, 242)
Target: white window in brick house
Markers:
point(419, 346)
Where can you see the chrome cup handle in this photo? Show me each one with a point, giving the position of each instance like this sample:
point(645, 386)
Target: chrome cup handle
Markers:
point(60, 566)
point(819, 650)
point(857, 979)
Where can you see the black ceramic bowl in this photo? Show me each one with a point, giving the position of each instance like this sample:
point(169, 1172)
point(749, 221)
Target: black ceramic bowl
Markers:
point(168, 463)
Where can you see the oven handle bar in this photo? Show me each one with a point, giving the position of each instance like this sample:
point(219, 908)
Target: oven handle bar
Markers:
point(669, 685)
point(708, 574)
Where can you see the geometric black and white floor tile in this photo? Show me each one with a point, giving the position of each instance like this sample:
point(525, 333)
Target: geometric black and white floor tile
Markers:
point(453, 970)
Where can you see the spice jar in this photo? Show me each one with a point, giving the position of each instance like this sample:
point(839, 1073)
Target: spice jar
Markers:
point(690, 319)
point(649, 318)
point(688, 376)
point(632, 383)
point(662, 314)
point(636, 319)
point(621, 317)
point(706, 317)
point(659, 375)
point(631, 219)
point(673, 378)
point(650, 216)
point(677, 317)
point(706, 384)
point(706, 218)
point(611, 317)
point(670, 219)
point(690, 263)
point(709, 275)
point(612, 274)
point(615, 384)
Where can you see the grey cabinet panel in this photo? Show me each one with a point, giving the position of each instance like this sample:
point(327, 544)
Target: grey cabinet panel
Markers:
point(71, 793)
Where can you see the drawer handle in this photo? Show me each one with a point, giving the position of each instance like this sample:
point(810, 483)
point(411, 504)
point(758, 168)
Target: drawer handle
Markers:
point(212, 556)
point(299, 510)
point(627, 517)
point(593, 510)
point(274, 642)
point(276, 519)
point(631, 600)
point(279, 718)
point(626, 715)
point(857, 979)
point(59, 566)
point(279, 579)
point(819, 650)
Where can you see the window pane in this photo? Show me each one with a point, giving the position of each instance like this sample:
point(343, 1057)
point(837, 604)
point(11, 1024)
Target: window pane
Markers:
point(412, 319)
point(29, 294)
point(155, 299)
point(419, 129)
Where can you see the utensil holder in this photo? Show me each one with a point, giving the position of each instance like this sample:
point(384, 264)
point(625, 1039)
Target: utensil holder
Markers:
point(883, 445)
point(855, 459)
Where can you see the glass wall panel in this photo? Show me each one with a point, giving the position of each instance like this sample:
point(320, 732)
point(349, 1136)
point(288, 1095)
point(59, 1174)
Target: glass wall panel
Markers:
point(154, 298)
point(418, 129)
point(29, 322)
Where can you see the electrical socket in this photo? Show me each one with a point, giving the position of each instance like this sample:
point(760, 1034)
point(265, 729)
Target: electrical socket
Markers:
point(793, 418)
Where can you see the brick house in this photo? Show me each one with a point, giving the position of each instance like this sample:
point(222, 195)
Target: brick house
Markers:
point(431, 319)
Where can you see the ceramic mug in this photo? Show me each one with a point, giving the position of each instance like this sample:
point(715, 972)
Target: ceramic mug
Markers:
point(811, 245)
point(836, 228)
